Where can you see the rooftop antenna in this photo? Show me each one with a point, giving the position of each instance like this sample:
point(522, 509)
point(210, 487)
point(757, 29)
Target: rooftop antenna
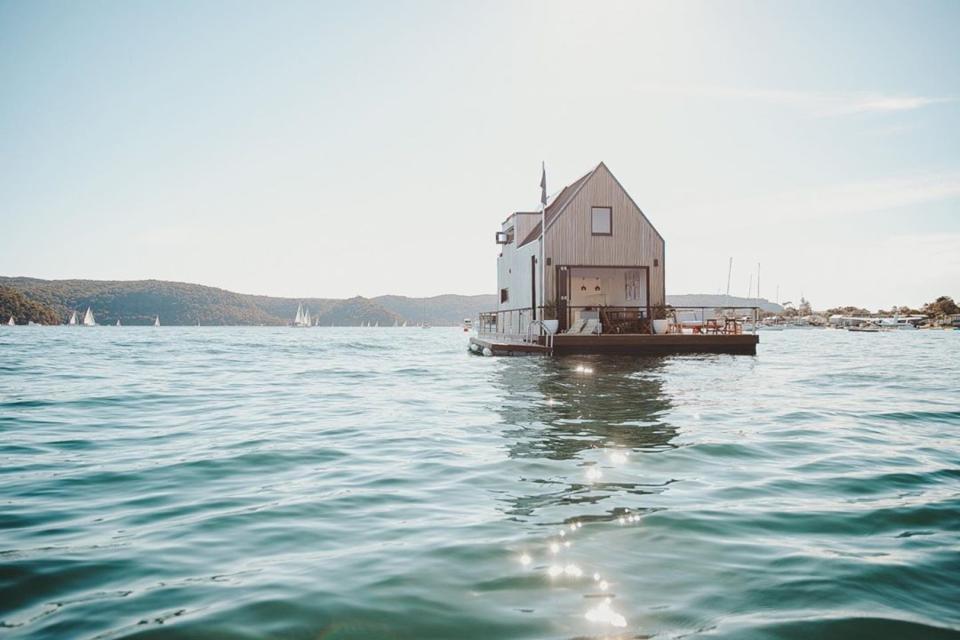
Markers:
point(758, 281)
point(750, 287)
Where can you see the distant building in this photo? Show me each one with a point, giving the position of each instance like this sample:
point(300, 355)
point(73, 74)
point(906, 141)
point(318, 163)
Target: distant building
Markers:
point(600, 251)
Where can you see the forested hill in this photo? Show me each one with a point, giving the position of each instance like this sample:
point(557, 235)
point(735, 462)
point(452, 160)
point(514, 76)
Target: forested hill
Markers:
point(179, 303)
point(14, 304)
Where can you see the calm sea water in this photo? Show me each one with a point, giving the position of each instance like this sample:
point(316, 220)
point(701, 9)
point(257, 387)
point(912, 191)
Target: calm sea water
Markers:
point(381, 483)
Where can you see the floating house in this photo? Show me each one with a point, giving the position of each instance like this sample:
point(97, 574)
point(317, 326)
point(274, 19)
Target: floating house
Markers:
point(586, 273)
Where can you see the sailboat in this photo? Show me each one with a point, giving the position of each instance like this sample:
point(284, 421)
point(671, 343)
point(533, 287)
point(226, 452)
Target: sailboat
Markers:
point(404, 323)
point(156, 322)
point(307, 322)
point(73, 318)
point(302, 318)
point(88, 320)
point(378, 324)
point(118, 323)
point(10, 322)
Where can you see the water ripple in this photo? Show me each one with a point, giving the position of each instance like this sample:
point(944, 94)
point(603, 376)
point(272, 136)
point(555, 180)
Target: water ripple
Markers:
point(347, 483)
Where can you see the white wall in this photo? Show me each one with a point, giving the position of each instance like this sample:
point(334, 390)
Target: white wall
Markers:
point(513, 273)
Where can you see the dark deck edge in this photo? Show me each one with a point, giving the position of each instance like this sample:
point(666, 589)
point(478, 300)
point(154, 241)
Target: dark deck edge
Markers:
point(506, 348)
point(629, 344)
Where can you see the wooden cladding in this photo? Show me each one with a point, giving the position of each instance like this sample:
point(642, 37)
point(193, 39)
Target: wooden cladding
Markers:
point(570, 239)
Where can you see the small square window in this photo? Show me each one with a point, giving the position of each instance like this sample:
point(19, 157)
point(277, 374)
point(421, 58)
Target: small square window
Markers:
point(601, 221)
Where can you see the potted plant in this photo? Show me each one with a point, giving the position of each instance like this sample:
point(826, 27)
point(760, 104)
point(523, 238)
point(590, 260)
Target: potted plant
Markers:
point(660, 322)
point(550, 322)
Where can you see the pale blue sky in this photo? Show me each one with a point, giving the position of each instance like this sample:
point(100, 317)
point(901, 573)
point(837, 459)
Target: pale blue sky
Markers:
point(312, 149)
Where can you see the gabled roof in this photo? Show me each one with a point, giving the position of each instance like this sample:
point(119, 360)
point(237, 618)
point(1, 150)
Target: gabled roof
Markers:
point(558, 204)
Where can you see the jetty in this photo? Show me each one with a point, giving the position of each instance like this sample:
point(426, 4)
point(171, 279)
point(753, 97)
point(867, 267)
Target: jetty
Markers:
point(586, 274)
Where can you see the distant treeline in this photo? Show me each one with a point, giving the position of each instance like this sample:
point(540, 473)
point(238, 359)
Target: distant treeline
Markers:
point(178, 303)
point(942, 306)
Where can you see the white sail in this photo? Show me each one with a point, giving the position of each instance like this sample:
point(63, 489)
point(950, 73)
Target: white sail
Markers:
point(88, 320)
point(298, 320)
point(73, 318)
point(11, 322)
point(306, 318)
point(378, 324)
point(404, 323)
point(156, 322)
point(118, 323)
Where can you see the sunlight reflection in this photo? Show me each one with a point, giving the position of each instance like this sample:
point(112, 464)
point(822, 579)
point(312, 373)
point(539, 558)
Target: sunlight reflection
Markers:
point(594, 474)
point(554, 548)
point(525, 560)
point(555, 570)
point(604, 613)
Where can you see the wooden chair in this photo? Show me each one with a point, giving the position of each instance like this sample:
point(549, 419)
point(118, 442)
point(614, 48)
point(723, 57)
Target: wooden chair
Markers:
point(731, 327)
point(622, 321)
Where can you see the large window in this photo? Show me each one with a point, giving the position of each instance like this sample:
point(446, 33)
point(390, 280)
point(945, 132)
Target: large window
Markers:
point(601, 221)
point(504, 295)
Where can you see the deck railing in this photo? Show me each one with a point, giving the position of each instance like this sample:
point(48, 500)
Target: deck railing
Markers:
point(518, 325)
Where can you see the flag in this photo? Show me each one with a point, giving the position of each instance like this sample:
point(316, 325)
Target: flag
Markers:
point(543, 186)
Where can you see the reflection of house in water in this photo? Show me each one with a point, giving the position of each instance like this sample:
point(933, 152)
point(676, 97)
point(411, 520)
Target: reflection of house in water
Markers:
point(553, 412)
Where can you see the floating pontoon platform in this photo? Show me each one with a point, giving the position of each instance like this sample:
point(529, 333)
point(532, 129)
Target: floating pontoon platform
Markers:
point(632, 344)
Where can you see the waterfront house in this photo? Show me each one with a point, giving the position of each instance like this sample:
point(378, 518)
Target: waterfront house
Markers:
point(599, 251)
point(591, 278)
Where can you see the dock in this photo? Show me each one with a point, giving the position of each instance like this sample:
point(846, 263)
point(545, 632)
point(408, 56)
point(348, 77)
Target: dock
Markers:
point(632, 344)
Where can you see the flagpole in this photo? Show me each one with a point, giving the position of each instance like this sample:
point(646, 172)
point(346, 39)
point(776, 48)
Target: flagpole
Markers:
point(543, 235)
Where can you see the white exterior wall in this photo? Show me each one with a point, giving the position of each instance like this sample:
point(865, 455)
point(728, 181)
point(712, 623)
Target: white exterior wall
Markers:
point(513, 274)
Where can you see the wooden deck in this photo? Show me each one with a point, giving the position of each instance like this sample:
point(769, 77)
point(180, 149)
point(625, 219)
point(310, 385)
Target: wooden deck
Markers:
point(634, 344)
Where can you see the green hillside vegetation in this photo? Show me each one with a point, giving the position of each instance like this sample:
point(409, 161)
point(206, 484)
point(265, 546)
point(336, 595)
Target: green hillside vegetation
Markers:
point(353, 312)
point(23, 310)
point(139, 302)
point(447, 309)
point(178, 303)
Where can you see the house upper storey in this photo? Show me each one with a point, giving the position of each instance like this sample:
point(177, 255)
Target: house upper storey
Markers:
point(598, 202)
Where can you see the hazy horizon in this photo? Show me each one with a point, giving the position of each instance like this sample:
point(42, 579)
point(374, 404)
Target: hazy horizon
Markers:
point(334, 150)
